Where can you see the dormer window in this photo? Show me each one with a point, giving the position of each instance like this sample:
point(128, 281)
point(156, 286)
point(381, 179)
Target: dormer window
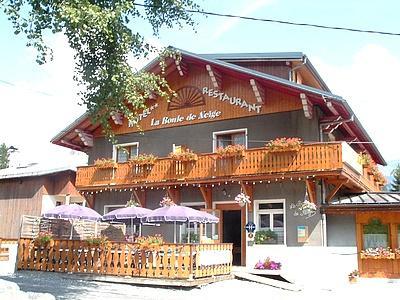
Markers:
point(230, 137)
point(124, 152)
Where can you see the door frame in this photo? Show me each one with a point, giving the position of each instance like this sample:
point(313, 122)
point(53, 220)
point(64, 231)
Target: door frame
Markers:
point(231, 205)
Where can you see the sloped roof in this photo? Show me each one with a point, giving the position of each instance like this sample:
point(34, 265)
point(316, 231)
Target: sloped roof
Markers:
point(317, 96)
point(32, 170)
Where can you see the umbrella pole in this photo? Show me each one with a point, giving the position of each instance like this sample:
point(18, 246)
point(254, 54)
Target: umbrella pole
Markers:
point(174, 232)
point(188, 235)
point(133, 229)
point(140, 228)
point(72, 228)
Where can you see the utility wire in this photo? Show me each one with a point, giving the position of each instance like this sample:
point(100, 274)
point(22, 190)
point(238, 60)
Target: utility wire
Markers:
point(215, 14)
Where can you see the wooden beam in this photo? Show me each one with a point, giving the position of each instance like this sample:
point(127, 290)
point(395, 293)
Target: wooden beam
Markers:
point(248, 190)
point(311, 190)
point(181, 67)
point(175, 195)
point(71, 145)
point(329, 119)
point(337, 186)
point(206, 192)
point(117, 117)
point(89, 200)
point(140, 196)
point(86, 138)
point(307, 106)
point(215, 77)
point(258, 90)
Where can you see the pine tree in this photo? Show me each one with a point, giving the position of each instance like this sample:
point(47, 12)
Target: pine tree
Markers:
point(395, 185)
point(4, 156)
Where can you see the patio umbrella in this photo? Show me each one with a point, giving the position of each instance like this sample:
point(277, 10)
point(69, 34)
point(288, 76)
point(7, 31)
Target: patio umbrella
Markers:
point(72, 212)
point(125, 213)
point(180, 214)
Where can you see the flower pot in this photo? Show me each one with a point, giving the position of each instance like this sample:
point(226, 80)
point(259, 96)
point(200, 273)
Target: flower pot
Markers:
point(352, 279)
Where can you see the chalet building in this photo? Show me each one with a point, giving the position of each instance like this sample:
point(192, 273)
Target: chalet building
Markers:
point(31, 190)
point(243, 99)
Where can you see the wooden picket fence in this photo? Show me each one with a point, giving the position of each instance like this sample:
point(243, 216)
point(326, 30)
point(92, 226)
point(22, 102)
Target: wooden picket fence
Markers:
point(173, 261)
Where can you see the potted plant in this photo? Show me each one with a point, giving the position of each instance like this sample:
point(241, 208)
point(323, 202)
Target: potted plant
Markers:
point(143, 159)
point(44, 239)
point(231, 151)
point(151, 242)
point(105, 163)
point(268, 264)
point(284, 144)
point(265, 237)
point(242, 199)
point(186, 155)
point(353, 276)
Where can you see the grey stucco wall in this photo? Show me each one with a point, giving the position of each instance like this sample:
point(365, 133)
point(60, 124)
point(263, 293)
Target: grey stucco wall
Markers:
point(341, 231)
point(198, 137)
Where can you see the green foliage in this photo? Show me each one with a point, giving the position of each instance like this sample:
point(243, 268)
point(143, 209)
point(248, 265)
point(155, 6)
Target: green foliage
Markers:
point(395, 184)
point(102, 34)
point(375, 226)
point(194, 238)
point(4, 156)
point(265, 237)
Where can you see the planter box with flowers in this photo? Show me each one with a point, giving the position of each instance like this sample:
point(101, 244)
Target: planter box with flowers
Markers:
point(96, 242)
point(231, 151)
point(143, 159)
point(284, 144)
point(265, 237)
point(151, 242)
point(105, 163)
point(44, 239)
point(268, 264)
point(377, 253)
point(185, 155)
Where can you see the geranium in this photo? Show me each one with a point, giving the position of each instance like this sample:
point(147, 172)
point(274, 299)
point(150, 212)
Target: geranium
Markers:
point(167, 201)
point(184, 155)
point(268, 264)
point(105, 163)
point(150, 242)
point(284, 144)
point(242, 199)
point(230, 151)
point(143, 159)
point(378, 253)
point(43, 238)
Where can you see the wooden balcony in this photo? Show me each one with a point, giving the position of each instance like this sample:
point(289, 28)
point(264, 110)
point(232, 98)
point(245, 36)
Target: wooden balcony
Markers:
point(319, 159)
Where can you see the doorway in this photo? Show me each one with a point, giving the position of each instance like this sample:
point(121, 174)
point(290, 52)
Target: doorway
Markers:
point(231, 233)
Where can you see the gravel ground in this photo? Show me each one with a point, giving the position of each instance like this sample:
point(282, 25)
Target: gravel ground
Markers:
point(62, 287)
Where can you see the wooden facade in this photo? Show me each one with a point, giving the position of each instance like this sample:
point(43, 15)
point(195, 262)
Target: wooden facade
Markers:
point(24, 196)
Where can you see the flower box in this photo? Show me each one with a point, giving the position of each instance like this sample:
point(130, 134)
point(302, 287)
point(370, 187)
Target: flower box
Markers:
point(377, 253)
point(143, 159)
point(186, 155)
point(284, 145)
point(105, 163)
point(230, 151)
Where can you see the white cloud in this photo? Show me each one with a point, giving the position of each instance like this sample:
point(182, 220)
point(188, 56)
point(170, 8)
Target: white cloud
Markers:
point(248, 7)
point(369, 84)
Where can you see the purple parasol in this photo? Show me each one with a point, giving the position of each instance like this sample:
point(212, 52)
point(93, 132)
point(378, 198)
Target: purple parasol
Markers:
point(177, 213)
point(133, 212)
point(72, 211)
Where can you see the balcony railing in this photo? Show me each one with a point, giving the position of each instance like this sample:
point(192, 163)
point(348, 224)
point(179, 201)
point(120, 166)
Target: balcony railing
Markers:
point(256, 162)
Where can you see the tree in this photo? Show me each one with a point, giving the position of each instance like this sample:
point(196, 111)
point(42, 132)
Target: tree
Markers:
point(4, 156)
point(395, 185)
point(100, 32)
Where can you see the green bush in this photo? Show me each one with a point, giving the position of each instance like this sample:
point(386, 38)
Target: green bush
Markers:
point(265, 237)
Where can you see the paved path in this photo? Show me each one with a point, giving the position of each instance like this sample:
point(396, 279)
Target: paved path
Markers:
point(63, 287)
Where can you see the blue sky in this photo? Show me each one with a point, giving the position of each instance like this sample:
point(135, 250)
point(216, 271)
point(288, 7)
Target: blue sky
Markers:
point(363, 68)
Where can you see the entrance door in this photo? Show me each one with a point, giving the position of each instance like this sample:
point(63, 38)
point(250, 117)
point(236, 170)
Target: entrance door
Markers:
point(231, 229)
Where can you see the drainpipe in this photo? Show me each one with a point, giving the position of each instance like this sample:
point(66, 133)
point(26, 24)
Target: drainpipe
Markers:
point(323, 195)
point(297, 67)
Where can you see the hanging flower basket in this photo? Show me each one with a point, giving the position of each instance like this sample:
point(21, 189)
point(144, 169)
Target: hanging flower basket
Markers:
point(284, 144)
point(143, 159)
point(186, 155)
point(231, 151)
point(105, 163)
point(377, 253)
point(242, 199)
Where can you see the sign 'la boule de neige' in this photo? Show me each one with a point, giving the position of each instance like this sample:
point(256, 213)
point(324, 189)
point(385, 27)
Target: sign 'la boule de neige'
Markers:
point(203, 115)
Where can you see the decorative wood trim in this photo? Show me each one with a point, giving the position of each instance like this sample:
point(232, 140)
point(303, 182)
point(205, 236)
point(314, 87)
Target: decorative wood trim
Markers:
point(248, 190)
point(215, 76)
point(140, 196)
point(206, 192)
point(311, 190)
point(332, 108)
point(307, 106)
point(86, 138)
point(118, 118)
point(258, 90)
point(71, 145)
point(181, 67)
point(175, 195)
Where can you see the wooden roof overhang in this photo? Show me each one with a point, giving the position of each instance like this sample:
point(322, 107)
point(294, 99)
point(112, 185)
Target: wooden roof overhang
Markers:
point(336, 108)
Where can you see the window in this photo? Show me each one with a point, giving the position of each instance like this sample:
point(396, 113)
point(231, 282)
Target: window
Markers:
point(270, 215)
point(124, 152)
point(230, 137)
point(375, 234)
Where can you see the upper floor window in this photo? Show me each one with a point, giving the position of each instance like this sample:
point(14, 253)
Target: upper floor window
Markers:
point(230, 137)
point(124, 152)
